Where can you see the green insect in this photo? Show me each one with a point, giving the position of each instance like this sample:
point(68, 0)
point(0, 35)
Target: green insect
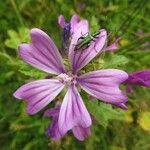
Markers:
point(85, 40)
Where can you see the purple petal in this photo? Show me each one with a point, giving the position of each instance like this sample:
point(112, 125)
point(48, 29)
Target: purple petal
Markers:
point(80, 58)
point(42, 53)
point(104, 85)
point(79, 29)
point(61, 21)
point(52, 112)
point(121, 105)
point(74, 20)
point(53, 129)
point(139, 78)
point(73, 111)
point(111, 47)
point(81, 133)
point(39, 94)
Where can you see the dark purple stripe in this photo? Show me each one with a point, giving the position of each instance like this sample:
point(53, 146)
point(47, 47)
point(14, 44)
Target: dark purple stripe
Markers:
point(53, 62)
point(40, 61)
point(96, 83)
point(44, 97)
point(98, 90)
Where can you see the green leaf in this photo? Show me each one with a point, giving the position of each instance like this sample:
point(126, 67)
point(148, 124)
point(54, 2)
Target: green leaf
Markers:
point(33, 73)
point(30, 71)
point(18, 65)
point(104, 112)
point(4, 57)
point(115, 61)
point(24, 34)
point(16, 38)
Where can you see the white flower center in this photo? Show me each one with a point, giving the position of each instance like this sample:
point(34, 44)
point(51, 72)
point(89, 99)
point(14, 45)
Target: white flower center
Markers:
point(67, 79)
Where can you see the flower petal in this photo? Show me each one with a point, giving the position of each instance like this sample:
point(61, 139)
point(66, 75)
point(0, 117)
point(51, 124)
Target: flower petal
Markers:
point(121, 105)
point(139, 78)
point(111, 47)
point(73, 111)
point(74, 20)
point(104, 85)
point(80, 58)
point(42, 53)
point(52, 112)
point(61, 21)
point(78, 30)
point(81, 133)
point(53, 129)
point(39, 94)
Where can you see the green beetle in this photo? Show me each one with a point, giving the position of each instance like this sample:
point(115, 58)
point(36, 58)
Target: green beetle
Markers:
point(84, 41)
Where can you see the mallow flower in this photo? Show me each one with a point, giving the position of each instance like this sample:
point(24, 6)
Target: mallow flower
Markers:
point(53, 130)
point(43, 54)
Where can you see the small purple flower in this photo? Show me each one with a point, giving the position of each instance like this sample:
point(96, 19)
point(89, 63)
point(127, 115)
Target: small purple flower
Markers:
point(44, 55)
point(113, 46)
point(67, 31)
point(54, 132)
point(139, 78)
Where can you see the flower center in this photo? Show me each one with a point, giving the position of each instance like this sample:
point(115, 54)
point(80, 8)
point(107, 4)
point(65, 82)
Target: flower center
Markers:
point(67, 79)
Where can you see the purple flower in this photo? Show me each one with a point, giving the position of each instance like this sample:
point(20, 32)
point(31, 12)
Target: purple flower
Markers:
point(44, 55)
point(113, 46)
point(139, 78)
point(66, 33)
point(54, 132)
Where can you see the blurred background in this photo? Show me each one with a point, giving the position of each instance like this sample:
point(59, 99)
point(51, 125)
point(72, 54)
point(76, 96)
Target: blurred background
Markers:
point(128, 19)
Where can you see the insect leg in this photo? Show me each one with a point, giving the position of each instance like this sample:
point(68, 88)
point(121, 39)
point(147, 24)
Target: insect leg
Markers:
point(80, 38)
point(83, 35)
point(96, 37)
point(94, 40)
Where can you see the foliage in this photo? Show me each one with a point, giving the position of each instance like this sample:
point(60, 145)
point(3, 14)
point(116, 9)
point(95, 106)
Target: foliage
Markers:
point(104, 113)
